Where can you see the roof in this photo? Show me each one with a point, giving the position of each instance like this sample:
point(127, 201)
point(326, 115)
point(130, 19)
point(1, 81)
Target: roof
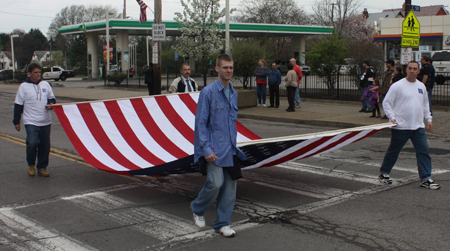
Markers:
point(433, 10)
point(381, 15)
point(8, 54)
point(172, 28)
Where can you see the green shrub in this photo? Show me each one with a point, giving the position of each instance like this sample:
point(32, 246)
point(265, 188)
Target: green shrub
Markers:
point(116, 78)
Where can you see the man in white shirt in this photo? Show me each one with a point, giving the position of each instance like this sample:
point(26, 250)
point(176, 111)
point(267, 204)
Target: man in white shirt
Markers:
point(184, 83)
point(34, 99)
point(406, 104)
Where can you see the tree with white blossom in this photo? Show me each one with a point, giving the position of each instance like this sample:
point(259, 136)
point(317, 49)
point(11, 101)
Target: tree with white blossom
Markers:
point(201, 33)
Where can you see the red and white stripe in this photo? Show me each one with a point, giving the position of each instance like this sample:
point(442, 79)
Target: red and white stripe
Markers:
point(131, 134)
point(143, 15)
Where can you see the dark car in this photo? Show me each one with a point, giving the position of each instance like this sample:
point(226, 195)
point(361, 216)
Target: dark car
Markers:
point(282, 66)
point(6, 74)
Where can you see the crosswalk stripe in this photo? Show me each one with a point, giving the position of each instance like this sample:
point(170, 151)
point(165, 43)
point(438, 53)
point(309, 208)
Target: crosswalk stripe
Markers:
point(22, 233)
point(330, 173)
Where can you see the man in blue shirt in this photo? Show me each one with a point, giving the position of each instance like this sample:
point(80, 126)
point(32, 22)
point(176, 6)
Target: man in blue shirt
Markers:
point(215, 148)
point(274, 86)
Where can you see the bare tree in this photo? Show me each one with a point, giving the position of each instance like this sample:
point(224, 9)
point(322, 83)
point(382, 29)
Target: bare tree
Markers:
point(271, 11)
point(77, 14)
point(335, 13)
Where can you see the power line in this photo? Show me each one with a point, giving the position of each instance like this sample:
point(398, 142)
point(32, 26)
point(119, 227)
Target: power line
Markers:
point(21, 14)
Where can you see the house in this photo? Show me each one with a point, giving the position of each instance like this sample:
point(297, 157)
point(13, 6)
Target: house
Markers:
point(45, 58)
point(425, 11)
point(6, 60)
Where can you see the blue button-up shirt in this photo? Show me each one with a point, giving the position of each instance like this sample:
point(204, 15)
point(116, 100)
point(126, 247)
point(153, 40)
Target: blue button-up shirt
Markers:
point(215, 125)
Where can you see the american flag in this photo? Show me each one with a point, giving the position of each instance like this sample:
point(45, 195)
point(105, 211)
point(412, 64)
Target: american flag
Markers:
point(154, 135)
point(143, 15)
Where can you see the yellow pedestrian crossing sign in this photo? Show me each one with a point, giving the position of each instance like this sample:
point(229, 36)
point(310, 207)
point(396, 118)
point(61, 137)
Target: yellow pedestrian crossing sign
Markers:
point(410, 31)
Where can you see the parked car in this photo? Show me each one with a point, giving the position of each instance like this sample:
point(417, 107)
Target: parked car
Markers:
point(58, 73)
point(441, 62)
point(6, 74)
point(282, 66)
point(115, 69)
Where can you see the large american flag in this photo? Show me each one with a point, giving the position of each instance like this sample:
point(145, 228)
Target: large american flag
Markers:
point(143, 15)
point(154, 135)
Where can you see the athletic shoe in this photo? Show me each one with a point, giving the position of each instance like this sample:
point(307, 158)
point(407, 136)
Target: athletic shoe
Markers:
point(362, 110)
point(429, 183)
point(199, 221)
point(31, 170)
point(384, 178)
point(258, 105)
point(226, 231)
point(264, 105)
point(297, 106)
point(44, 173)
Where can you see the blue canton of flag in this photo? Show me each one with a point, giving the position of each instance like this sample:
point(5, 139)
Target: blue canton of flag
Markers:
point(420, 91)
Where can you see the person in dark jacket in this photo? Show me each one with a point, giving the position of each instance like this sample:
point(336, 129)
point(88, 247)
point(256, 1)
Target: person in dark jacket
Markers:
point(274, 86)
point(33, 103)
point(365, 81)
point(148, 71)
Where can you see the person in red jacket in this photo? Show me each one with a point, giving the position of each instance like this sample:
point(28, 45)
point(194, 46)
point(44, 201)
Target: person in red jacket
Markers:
point(299, 73)
point(261, 82)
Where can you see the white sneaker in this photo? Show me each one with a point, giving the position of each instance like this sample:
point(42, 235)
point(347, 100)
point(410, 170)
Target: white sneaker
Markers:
point(258, 105)
point(264, 105)
point(199, 221)
point(227, 231)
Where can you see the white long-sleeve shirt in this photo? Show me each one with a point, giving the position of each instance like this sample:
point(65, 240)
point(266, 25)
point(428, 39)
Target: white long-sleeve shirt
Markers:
point(407, 103)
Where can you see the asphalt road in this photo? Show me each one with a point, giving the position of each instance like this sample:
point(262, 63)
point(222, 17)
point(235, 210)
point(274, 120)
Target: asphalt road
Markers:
point(329, 202)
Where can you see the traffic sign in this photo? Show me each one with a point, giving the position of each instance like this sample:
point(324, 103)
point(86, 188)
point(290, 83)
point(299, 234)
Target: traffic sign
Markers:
point(406, 55)
point(410, 31)
point(159, 32)
point(415, 7)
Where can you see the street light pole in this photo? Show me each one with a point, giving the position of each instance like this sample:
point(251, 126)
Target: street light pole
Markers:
point(227, 27)
point(12, 52)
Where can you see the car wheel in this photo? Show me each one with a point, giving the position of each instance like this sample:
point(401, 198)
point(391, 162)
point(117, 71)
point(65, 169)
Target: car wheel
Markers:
point(63, 78)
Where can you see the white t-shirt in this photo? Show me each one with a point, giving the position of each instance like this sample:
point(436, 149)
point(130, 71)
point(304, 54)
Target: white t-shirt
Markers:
point(407, 103)
point(34, 99)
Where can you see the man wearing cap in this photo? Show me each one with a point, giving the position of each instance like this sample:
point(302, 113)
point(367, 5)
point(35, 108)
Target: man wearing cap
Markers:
point(386, 80)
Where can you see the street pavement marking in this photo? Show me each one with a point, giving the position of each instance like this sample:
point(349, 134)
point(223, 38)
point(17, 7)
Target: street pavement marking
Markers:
point(22, 233)
point(364, 162)
point(334, 173)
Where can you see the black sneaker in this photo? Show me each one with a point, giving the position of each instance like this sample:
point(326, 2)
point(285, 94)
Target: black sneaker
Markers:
point(384, 178)
point(362, 110)
point(429, 183)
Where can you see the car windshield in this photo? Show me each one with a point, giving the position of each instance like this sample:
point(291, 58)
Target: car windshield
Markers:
point(441, 56)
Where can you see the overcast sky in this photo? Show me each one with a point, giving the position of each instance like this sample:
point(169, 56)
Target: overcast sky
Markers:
point(27, 14)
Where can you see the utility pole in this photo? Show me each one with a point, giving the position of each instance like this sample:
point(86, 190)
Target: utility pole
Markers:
point(157, 67)
point(124, 9)
point(332, 14)
point(407, 6)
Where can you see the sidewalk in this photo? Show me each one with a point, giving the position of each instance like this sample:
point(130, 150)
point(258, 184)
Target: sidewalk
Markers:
point(319, 112)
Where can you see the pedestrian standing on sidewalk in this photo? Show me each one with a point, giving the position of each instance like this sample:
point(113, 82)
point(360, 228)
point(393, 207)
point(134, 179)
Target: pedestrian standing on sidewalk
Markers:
point(406, 104)
point(148, 73)
point(290, 82)
point(274, 86)
point(386, 79)
point(298, 72)
point(365, 81)
point(34, 100)
point(184, 83)
point(215, 148)
point(261, 82)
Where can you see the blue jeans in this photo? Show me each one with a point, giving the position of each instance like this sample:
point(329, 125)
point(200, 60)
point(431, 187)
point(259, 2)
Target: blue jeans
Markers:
point(430, 92)
point(365, 105)
point(398, 140)
point(218, 186)
point(261, 92)
point(38, 145)
point(297, 96)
